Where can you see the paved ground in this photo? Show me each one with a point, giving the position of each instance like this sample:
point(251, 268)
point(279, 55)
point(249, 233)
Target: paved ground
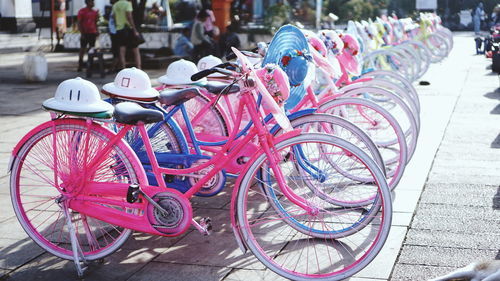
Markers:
point(446, 206)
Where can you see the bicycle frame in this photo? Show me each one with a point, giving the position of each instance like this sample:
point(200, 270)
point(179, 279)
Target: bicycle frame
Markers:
point(94, 205)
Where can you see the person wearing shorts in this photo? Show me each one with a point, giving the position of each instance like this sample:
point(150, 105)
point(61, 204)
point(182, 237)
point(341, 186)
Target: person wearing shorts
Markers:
point(87, 24)
point(126, 33)
point(115, 49)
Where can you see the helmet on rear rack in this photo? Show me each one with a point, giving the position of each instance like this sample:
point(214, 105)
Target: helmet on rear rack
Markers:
point(79, 97)
point(209, 62)
point(131, 84)
point(179, 73)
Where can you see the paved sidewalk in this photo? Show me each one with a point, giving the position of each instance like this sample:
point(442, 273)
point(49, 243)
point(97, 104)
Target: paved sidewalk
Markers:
point(458, 216)
point(454, 221)
point(19, 42)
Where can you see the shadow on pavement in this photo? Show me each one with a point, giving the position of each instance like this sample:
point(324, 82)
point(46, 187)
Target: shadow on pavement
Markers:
point(493, 95)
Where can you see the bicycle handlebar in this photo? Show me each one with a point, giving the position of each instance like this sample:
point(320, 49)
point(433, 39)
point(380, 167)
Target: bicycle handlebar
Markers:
point(204, 73)
point(251, 53)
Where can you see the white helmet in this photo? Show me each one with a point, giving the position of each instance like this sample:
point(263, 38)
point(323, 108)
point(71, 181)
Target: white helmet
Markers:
point(131, 83)
point(77, 95)
point(209, 62)
point(179, 73)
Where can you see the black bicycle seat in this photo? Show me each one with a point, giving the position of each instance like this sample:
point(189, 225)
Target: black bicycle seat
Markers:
point(176, 97)
point(131, 113)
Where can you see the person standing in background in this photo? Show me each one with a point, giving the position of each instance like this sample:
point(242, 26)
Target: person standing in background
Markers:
point(126, 31)
point(209, 23)
point(115, 48)
point(203, 44)
point(87, 25)
point(228, 40)
point(495, 16)
point(478, 16)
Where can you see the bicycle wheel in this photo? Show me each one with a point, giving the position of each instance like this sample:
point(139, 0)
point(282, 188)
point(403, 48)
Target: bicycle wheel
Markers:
point(438, 47)
point(422, 52)
point(333, 244)
point(38, 181)
point(207, 121)
point(397, 79)
point(342, 128)
point(382, 128)
point(397, 108)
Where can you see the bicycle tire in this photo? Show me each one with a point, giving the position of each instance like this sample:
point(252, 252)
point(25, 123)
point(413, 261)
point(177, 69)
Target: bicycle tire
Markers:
point(396, 155)
point(291, 251)
point(30, 177)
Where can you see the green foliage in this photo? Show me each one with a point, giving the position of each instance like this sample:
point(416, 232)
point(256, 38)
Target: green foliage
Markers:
point(276, 16)
point(355, 9)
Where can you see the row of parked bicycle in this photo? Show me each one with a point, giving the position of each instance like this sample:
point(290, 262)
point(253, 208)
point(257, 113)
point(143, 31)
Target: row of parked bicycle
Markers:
point(317, 128)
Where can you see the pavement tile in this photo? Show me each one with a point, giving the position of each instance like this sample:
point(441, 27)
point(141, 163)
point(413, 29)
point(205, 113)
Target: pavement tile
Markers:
point(485, 196)
point(118, 266)
point(439, 256)
point(412, 272)
point(456, 219)
point(221, 219)
point(11, 229)
point(14, 253)
point(4, 273)
point(405, 200)
point(157, 244)
point(4, 184)
point(217, 201)
point(6, 209)
point(426, 237)
point(402, 218)
point(219, 249)
point(180, 272)
point(467, 152)
point(466, 175)
point(378, 267)
point(244, 275)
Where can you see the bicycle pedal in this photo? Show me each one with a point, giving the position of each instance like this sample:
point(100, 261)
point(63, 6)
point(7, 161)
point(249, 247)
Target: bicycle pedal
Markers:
point(206, 225)
point(133, 193)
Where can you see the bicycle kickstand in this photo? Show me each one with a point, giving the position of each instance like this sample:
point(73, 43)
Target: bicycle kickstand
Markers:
point(78, 257)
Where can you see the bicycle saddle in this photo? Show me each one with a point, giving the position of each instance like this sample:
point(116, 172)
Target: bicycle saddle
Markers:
point(215, 87)
point(176, 97)
point(131, 113)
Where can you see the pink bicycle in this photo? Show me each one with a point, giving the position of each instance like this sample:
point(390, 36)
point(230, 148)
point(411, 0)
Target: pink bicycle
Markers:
point(79, 190)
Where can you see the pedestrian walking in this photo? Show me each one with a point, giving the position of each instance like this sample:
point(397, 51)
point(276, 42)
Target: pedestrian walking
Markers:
point(126, 31)
point(87, 25)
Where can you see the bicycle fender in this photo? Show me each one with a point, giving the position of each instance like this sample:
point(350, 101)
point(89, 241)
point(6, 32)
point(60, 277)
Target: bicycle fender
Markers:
point(294, 116)
point(233, 214)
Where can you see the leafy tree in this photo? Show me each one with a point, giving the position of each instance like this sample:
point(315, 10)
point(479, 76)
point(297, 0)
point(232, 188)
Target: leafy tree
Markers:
point(355, 9)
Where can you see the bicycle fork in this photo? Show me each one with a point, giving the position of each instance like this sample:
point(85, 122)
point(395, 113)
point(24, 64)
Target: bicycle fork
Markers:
point(267, 142)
